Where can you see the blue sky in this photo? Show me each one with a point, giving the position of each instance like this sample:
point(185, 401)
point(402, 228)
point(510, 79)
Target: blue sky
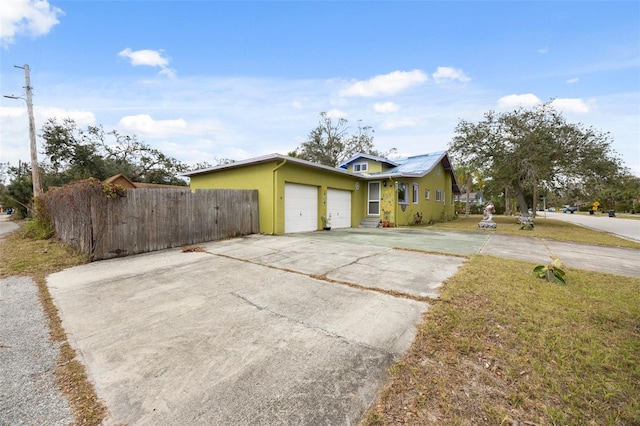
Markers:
point(206, 80)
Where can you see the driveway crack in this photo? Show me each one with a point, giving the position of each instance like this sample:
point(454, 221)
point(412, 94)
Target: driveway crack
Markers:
point(323, 277)
point(312, 327)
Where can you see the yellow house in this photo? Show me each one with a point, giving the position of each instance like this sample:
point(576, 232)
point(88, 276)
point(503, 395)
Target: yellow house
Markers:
point(295, 195)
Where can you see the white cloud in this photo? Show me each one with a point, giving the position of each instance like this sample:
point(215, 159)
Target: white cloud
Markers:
point(81, 118)
point(543, 51)
point(12, 112)
point(514, 101)
point(575, 105)
point(169, 72)
point(144, 125)
point(26, 17)
point(151, 58)
point(444, 74)
point(385, 107)
point(385, 84)
point(403, 122)
point(336, 113)
point(573, 80)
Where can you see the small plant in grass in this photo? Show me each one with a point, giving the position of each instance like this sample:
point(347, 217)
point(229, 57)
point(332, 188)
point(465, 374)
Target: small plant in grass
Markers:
point(39, 228)
point(552, 272)
point(527, 226)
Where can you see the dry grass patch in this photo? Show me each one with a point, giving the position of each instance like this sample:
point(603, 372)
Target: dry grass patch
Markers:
point(544, 228)
point(501, 347)
point(23, 256)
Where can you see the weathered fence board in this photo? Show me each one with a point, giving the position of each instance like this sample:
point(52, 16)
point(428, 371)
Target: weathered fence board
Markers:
point(154, 219)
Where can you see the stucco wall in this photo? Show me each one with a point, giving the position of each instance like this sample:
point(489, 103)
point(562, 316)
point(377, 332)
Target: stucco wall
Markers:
point(295, 173)
point(258, 176)
point(269, 179)
point(429, 210)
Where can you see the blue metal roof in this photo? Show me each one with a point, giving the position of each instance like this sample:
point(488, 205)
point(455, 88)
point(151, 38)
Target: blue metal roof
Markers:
point(416, 165)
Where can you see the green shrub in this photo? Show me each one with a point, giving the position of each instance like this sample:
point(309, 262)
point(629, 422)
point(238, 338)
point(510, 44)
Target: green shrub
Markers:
point(38, 229)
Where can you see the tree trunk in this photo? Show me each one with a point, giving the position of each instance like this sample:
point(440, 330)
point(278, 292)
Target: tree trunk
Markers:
point(469, 181)
point(522, 203)
point(507, 202)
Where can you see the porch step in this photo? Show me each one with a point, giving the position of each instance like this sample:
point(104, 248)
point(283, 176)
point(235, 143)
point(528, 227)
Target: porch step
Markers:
point(370, 222)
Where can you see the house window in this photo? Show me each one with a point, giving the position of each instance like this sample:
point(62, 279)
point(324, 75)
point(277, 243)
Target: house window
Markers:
point(360, 167)
point(403, 193)
point(439, 196)
point(427, 194)
point(415, 193)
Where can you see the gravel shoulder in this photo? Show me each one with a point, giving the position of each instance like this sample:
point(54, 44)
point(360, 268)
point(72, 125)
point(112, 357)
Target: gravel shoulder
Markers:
point(29, 394)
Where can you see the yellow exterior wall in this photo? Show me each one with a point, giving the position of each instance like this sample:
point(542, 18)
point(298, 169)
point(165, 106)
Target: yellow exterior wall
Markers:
point(265, 177)
point(296, 173)
point(372, 166)
point(257, 176)
point(429, 210)
point(269, 178)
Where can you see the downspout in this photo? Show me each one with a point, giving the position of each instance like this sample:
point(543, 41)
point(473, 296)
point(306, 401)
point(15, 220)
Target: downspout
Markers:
point(396, 204)
point(275, 195)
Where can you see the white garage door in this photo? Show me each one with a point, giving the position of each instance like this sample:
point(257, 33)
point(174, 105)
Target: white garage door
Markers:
point(300, 208)
point(339, 207)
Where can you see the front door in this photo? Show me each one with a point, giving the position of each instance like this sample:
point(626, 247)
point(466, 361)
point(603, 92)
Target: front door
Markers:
point(374, 199)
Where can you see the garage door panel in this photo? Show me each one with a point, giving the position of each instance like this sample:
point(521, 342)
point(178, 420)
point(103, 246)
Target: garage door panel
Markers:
point(300, 208)
point(339, 207)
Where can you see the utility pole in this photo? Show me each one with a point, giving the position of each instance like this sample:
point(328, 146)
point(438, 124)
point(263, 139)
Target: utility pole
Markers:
point(35, 170)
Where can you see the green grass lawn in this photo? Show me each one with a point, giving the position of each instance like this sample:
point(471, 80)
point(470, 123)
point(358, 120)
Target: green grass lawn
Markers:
point(544, 228)
point(501, 346)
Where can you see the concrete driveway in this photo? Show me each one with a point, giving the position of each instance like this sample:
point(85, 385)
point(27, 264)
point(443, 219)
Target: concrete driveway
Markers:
point(296, 329)
point(256, 330)
point(625, 228)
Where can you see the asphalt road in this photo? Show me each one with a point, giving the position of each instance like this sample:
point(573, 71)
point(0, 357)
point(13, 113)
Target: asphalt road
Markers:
point(6, 225)
point(626, 228)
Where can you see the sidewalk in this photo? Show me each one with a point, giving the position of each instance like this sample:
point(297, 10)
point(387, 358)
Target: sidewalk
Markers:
point(625, 228)
point(613, 260)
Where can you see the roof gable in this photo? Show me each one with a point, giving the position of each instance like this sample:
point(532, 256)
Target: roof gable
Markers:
point(361, 156)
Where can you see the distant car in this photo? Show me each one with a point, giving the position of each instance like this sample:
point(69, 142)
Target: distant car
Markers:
point(552, 209)
point(570, 209)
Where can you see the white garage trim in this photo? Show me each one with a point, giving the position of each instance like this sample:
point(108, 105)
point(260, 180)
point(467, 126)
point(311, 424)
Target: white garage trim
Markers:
point(300, 208)
point(339, 207)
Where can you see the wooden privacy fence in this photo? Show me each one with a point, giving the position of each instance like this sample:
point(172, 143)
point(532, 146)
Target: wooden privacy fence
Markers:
point(146, 220)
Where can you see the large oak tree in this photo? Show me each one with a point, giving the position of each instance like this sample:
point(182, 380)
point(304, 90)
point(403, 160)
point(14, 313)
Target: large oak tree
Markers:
point(74, 154)
point(529, 149)
point(330, 142)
